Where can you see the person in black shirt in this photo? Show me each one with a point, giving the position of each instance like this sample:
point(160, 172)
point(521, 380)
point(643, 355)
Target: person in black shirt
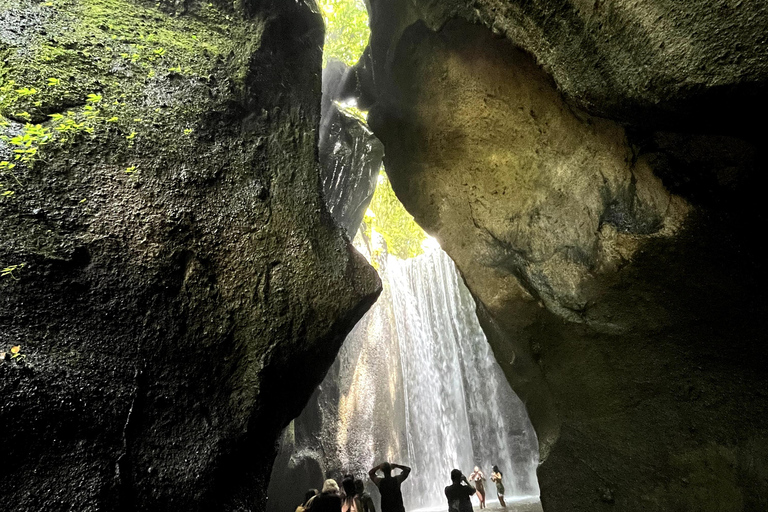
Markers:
point(389, 486)
point(365, 498)
point(458, 493)
point(329, 500)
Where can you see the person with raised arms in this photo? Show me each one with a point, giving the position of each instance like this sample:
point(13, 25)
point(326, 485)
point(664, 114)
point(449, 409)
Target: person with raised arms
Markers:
point(389, 486)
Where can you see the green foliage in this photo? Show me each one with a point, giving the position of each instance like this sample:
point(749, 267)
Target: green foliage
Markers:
point(82, 81)
point(16, 354)
point(387, 216)
point(346, 30)
point(346, 36)
point(8, 271)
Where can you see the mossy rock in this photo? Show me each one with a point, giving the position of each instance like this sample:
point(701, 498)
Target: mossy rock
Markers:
point(179, 262)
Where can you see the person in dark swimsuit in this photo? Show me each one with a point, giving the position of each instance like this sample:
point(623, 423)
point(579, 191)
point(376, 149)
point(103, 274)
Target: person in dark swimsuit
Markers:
point(496, 477)
point(389, 486)
point(365, 498)
point(478, 478)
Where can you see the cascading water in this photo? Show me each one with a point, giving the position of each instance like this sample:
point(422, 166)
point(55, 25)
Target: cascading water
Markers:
point(456, 395)
point(415, 383)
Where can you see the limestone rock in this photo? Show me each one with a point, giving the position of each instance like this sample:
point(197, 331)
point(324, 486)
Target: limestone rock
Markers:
point(612, 255)
point(648, 62)
point(183, 287)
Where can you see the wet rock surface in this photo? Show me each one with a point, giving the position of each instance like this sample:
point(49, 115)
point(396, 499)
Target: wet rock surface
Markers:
point(612, 255)
point(183, 287)
point(350, 155)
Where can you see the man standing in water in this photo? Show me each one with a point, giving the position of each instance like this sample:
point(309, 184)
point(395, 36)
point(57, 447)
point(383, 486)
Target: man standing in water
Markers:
point(389, 486)
point(458, 493)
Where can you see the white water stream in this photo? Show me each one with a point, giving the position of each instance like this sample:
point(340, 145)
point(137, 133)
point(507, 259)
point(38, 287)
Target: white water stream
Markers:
point(416, 383)
point(457, 401)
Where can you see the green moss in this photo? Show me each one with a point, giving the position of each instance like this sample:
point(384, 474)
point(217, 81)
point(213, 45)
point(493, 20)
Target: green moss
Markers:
point(124, 72)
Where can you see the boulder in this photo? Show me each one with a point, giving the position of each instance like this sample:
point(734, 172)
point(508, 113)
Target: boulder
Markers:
point(173, 279)
point(350, 155)
point(604, 222)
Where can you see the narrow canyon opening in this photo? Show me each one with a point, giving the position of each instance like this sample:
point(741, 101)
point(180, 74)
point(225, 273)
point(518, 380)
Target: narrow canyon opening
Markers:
point(416, 382)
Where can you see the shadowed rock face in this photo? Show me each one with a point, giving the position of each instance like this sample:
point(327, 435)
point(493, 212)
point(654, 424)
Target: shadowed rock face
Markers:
point(650, 62)
point(184, 287)
point(613, 258)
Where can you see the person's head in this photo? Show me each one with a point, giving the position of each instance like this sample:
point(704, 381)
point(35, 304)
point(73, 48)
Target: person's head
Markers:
point(477, 469)
point(311, 493)
point(386, 468)
point(349, 485)
point(496, 469)
point(330, 486)
point(359, 486)
point(456, 476)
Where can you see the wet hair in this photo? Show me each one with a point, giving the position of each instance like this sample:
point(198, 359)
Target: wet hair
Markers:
point(496, 470)
point(330, 485)
point(386, 468)
point(311, 493)
point(349, 485)
point(455, 476)
point(359, 486)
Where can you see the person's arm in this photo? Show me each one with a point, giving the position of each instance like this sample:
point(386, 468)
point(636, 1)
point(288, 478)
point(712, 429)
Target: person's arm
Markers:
point(372, 474)
point(468, 485)
point(405, 471)
point(369, 506)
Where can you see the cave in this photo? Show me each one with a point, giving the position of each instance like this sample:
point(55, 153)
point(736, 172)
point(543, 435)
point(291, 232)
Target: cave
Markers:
point(180, 271)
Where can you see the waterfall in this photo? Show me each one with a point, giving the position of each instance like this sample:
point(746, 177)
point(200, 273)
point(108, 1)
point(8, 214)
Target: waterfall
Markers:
point(415, 383)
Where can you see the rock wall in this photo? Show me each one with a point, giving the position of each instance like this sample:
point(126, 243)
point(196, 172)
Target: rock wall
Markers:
point(350, 155)
point(589, 168)
point(176, 285)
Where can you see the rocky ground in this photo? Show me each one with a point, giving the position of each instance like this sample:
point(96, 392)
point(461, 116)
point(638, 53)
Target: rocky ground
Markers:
point(512, 506)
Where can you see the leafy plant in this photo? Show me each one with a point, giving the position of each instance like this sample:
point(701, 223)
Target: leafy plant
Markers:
point(346, 30)
point(16, 354)
point(387, 216)
point(8, 271)
point(26, 91)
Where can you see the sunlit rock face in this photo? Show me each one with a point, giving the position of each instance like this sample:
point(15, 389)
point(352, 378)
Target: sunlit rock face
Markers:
point(184, 287)
point(604, 222)
point(350, 155)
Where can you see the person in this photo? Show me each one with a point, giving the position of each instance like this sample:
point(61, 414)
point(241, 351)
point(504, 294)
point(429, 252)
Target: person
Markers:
point(458, 493)
point(328, 500)
point(350, 502)
point(389, 486)
point(478, 478)
point(496, 477)
point(311, 493)
point(365, 499)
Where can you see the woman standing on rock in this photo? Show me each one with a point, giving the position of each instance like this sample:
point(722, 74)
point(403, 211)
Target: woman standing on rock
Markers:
point(478, 478)
point(496, 477)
